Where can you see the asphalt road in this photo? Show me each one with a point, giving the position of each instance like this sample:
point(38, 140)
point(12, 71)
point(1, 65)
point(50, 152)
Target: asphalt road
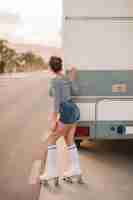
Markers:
point(24, 106)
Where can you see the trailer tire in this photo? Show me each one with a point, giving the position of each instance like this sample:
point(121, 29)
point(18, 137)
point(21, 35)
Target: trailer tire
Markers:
point(77, 142)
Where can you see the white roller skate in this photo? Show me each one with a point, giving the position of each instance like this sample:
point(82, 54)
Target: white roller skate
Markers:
point(75, 172)
point(45, 179)
point(51, 172)
point(71, 177)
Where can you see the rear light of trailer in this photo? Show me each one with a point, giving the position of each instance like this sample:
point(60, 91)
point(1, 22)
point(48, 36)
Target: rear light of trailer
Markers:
point(82, 131)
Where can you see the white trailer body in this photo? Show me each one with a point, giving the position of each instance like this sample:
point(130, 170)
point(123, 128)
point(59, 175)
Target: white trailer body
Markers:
point(98, 41)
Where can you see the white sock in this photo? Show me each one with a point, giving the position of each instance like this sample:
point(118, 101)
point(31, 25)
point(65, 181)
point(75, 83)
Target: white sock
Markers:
point(51, 162)
point(74, 159)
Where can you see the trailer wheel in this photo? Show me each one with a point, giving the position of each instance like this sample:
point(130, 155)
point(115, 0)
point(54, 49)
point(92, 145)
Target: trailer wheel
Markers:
point(77, 142)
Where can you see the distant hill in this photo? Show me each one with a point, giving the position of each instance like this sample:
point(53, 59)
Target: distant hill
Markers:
point(42, 50)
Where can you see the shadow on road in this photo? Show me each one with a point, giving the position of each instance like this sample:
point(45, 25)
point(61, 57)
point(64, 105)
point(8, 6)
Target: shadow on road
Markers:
point(123, 147)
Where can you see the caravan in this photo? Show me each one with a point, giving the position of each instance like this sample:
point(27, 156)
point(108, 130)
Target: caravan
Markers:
point(98, 41)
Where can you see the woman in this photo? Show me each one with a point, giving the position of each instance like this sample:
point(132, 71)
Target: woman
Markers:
point(63, 123)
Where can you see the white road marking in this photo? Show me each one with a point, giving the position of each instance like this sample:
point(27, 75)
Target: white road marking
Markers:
point(36, 167)
point(35, 172)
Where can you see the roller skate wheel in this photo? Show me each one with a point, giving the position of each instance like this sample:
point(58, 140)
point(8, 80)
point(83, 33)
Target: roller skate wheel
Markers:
point(56, 181)
point(68, 179)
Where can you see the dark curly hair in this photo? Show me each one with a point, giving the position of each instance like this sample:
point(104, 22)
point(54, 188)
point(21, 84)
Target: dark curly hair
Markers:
point(55, 64)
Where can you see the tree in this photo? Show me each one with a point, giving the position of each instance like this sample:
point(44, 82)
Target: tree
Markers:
point(33, 61)
point(39, 62)
point(10, 60)
point(3, 49)
point(29, 58)
point(2, 66)
point(7, 56)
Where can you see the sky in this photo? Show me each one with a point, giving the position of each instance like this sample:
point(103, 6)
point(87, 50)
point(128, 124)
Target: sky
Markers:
point(31, 21)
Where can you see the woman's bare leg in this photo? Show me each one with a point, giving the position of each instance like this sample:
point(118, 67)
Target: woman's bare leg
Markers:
point(69, 137)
